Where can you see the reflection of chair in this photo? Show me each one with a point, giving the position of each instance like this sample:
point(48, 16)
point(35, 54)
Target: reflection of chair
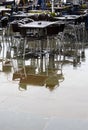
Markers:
point(51, 82)
point(22, 87)
point(6, 67)
point(16, 76)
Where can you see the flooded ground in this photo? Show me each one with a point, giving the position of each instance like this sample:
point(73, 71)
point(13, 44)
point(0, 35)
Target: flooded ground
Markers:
point(43, 93)
point(67, 99)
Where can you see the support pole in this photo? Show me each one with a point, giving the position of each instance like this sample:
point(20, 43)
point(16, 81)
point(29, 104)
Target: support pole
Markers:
point(52, 6)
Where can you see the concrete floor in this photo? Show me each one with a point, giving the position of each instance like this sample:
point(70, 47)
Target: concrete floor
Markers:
point(10, 120)
point(38, 108)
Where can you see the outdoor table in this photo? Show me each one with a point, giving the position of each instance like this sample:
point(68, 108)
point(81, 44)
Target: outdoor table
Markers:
point(75, 18)
point(41, 26)
point(22, 15)
point(38, 24)
point(62, 8)
point(68, 17)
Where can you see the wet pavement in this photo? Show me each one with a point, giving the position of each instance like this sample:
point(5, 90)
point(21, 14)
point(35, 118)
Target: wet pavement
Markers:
point(18, 120)
point(36, 105)
point(43, 93)
point(39, 108)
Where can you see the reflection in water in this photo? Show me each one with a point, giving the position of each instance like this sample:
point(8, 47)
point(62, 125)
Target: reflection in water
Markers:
point(45, 70)
point(38, 72)
point(22, 87)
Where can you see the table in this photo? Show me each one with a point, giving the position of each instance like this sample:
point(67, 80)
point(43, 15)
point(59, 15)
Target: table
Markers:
point(43, 26)
point(62, 8)
point(68, 17)
point(75, 18)
point(22, 15)
point(38, 24)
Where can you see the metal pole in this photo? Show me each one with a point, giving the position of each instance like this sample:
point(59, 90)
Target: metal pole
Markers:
point(52, 6)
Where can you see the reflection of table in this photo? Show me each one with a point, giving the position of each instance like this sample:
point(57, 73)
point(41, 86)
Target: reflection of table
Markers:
point(49, 76)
